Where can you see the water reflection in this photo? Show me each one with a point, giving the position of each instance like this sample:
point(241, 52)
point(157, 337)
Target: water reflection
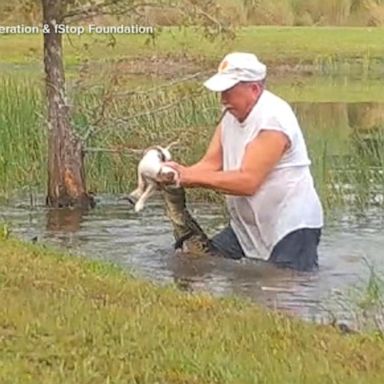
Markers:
point(367, 123)
point(65, 219)
point(345, 142)
point(329, 128)
point(340, 116)
point(366, 116)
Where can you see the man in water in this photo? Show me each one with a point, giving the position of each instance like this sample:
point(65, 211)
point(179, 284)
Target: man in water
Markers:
point(258, 158)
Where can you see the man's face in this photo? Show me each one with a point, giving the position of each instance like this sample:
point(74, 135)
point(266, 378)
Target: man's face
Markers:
point(240, 98)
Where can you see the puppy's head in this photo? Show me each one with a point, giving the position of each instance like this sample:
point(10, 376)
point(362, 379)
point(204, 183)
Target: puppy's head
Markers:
point(162, 153)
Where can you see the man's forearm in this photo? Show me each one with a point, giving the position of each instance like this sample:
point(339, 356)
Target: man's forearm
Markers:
point(229, 182)
point(203, 166)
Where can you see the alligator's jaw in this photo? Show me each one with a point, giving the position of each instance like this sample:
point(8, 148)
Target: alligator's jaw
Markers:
point(188, 234)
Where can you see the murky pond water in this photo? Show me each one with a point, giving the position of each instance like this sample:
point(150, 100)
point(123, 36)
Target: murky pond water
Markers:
point(144, 243)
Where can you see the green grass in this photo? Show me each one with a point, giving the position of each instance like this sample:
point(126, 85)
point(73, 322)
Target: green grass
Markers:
point(327, 48)
point(68, 320)
point(309, 44)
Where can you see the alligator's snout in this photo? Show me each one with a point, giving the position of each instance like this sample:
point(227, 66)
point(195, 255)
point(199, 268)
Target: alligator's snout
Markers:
point(189, 236)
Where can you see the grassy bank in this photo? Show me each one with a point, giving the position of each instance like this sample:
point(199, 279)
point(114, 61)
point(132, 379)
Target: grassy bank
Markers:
point(64, 319)
point(327, 48)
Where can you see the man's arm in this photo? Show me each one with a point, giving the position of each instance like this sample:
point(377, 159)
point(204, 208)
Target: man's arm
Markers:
point(261, 156)
point(213, 158)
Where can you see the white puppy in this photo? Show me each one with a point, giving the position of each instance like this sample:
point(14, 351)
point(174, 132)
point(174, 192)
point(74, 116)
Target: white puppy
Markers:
point(150, 169)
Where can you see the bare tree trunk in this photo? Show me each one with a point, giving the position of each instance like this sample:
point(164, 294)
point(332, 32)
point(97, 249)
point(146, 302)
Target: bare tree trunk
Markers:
point(66, 176)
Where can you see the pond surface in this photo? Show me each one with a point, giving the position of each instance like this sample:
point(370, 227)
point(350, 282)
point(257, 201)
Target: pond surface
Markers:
point(113, 232)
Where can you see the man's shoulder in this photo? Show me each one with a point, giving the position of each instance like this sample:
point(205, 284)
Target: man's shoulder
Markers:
point(272, 98)
point(274, 106)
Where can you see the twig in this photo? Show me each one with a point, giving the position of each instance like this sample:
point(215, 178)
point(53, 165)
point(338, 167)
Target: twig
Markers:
point(107, 97)
point(111, 150)
point(154, 89)
point(201, 12)
point(95, 126)
point(173, 144)
point(222, 115)
point(153, 111)
point(210, 18)
point(134, 151)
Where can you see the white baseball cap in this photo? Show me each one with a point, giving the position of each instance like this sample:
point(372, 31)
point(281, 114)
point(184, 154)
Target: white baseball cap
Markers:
point(234, 68)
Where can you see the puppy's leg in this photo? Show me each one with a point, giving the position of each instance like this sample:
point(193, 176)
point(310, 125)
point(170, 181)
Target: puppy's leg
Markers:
point(141, 186)
point(149, 191)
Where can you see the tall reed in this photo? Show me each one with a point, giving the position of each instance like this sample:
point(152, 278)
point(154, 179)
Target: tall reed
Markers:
point(22, 134)
point(344, 141)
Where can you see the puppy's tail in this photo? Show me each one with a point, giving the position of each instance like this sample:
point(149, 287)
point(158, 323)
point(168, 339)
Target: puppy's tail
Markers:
point(169, 146)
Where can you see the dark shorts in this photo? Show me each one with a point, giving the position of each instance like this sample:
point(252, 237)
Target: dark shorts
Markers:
point(297, 250)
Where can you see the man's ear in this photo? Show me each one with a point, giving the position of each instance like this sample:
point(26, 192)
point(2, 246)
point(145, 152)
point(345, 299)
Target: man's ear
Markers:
point(255, 87)
point(260, 87)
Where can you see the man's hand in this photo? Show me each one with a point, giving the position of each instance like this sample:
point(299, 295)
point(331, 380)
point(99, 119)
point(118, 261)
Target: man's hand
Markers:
point(166, 178)
point(169, 178)
point(185, 173)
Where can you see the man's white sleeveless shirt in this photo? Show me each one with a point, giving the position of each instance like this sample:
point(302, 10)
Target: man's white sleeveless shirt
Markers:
point(287, 200)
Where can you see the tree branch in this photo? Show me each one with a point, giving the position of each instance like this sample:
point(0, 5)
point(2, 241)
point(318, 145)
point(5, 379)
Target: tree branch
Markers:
point(102, 9)
point(131, 151)
point(210, 18)
point(157, 88)
point(87, 11)
point(95, 127)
